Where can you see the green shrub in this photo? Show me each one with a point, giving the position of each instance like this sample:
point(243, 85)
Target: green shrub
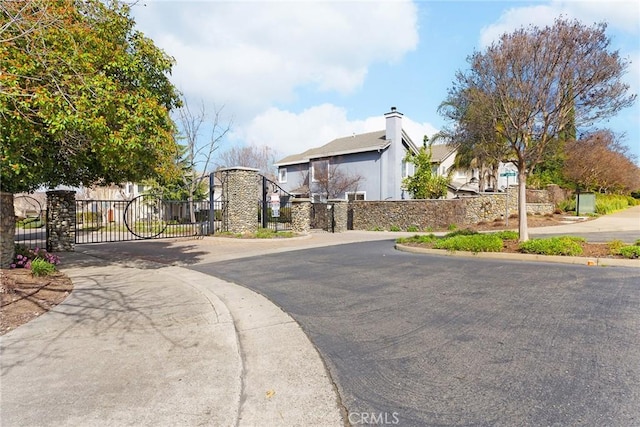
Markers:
point(452, 227)
point(507, 235)
point(412, 228)
point(471, 243)
point(428, 238)
point(609, 203)
point(394, 228)
point(463, 232)
point(615, 246)
point(632, 252)
point(40, 267)
point(563, 245)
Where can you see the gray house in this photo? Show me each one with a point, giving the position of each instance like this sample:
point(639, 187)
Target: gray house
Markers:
point(367, 166)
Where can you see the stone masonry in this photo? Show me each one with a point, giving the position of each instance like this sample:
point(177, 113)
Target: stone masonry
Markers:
point(61, 221)
point(7, 228)
point(242, 192)
point(300, 212)
point(436, 214)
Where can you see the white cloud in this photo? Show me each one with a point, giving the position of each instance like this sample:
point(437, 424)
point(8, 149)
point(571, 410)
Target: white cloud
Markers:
point(252, 55)
point(620, 15)
point(291, 133)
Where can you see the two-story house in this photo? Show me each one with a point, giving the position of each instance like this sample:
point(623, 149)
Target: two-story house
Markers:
point(368, 166)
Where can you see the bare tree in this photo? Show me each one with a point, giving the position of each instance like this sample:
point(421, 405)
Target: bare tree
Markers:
point(252, 156)
point(329, 180)
point(197, 156)
point(537, 81)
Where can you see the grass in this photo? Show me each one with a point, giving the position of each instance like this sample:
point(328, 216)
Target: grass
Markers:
point(471, 243)
point(261, 233)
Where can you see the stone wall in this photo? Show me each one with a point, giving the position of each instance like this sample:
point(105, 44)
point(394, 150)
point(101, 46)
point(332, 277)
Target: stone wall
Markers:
point(7, 228)
point(436, 214)
point(340, 215)
point(241, 191)
point(300, 213)
point(61, 221)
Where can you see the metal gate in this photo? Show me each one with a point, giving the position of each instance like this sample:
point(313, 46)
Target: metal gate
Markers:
point(322, 217)
point(274, 207)
point(145, 217)
point(31, 228)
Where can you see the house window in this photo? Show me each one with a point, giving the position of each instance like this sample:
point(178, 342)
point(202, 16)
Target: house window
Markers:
point(282, 174)
point(319, 198)
point(355, 195)
point(140, 188)
point(320, 171)
point(407, 169)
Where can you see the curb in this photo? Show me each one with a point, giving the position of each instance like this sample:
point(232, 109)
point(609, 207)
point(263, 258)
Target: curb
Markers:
point(601, 262)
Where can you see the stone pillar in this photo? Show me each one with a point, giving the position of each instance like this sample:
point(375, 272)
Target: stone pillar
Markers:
point(61, 221)
point(241, 190)
point(7, 228)
point(340, 216)
point(300, 215)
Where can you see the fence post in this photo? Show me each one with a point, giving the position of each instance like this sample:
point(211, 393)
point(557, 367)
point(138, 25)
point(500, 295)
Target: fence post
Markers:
point(300, 215)
point(242, 194)
point(61, 221)
point(340, 215)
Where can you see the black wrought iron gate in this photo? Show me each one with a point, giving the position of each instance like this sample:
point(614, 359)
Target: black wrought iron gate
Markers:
point(145, 217)
point(274, 206)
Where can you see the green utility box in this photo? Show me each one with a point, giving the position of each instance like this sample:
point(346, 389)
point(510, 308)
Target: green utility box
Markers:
point(585, 203)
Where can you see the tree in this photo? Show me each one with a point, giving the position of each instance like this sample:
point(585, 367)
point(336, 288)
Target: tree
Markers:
point(597, 162)
point(84, 98)
point(261, 157)
point(424, 183)
point(538, 80)
point(329, 180)
point(196, 155)
point(479, 145)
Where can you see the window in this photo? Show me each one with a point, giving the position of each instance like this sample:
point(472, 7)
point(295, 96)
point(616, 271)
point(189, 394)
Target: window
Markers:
point(355, 195)
point(408, 169)
point(140, 188)
point(320, 170)
point(319, 198)
point(282, 175)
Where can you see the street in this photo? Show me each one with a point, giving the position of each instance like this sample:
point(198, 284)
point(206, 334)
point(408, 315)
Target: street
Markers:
point(433, 340)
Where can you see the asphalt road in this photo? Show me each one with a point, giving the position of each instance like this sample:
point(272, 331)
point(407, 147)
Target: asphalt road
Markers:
point(433, 340)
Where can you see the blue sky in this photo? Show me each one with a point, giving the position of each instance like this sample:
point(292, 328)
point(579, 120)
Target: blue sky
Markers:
point(297, 74)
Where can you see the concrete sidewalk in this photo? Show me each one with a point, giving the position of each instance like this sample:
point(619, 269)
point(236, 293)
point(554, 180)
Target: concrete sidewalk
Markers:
point(146, 344)
point(142, 341)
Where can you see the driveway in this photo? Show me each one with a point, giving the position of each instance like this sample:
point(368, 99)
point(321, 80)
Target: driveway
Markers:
point(432, 340)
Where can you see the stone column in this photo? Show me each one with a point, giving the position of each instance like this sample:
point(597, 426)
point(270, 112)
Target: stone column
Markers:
point(61, 221)
point(7, 228)
point(300, 215)
point(340, 216)
point(241, 190)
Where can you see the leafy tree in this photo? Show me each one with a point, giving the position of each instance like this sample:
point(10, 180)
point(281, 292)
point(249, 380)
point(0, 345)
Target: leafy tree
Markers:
point(479, 145)
point(424, 183)
point(597, 162)
point(84, 97)
point(536, 81)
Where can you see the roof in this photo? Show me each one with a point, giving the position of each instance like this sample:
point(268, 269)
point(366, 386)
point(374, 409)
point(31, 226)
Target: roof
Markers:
point(371, 141)
point(439, 152)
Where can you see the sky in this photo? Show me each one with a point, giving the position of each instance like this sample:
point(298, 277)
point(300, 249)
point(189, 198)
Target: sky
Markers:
point(294, 75)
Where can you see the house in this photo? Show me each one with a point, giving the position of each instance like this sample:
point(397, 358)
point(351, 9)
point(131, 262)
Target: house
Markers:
point(368, 166)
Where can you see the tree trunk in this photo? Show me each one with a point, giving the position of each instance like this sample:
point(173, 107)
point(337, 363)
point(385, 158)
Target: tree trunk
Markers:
point(522, 204)
point(7, 229)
